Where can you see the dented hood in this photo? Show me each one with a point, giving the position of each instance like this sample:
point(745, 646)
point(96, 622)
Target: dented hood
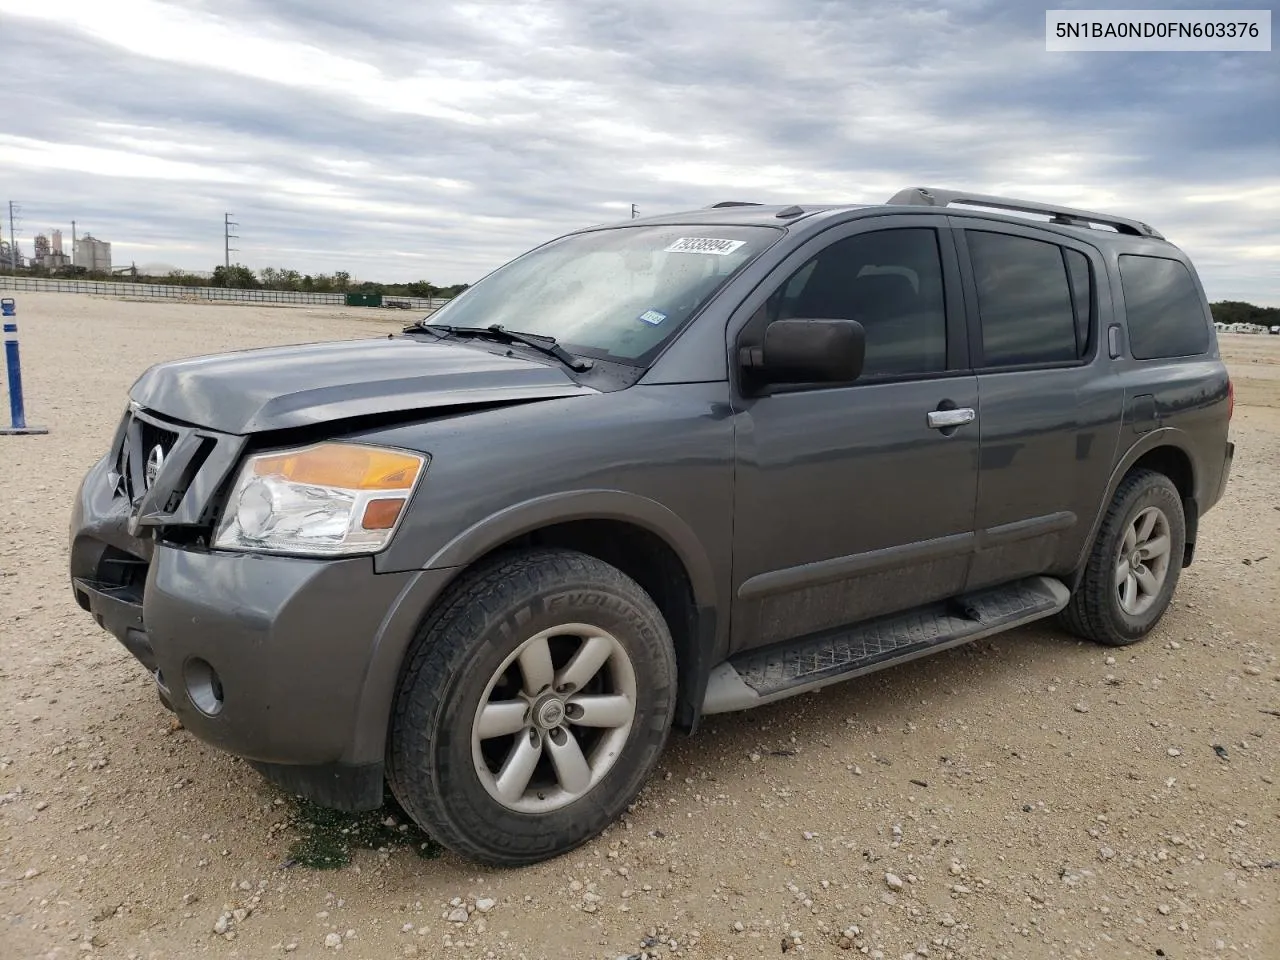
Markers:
point(280, 387)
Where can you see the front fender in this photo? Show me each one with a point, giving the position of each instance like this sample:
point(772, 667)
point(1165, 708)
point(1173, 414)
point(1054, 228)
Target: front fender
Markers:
point(396, 634)
point(522, 518)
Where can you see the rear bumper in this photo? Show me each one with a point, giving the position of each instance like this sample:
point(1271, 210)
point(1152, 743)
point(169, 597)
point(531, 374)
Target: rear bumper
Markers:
point(1213, 488)
point(288, 663)
point(1227, 460)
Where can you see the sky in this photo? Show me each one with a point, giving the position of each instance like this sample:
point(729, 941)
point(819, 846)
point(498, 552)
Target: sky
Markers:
point(435, 141)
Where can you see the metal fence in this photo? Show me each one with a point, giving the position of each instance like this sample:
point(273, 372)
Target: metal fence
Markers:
point(164, 291)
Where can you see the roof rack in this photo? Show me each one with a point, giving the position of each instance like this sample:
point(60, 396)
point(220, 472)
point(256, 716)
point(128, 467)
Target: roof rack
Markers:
point(931, 197)
point(734, 203)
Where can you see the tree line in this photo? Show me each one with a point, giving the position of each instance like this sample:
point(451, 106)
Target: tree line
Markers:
point(241, 277)
point(1237, 311)
point(280, 278)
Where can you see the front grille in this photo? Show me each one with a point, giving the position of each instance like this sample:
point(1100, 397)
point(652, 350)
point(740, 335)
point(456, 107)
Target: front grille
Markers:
point(119, 475)
point(141, 438)
point(155, 436)
point(187, 466)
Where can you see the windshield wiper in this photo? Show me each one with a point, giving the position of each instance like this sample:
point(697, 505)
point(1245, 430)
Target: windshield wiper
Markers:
point(501, 334)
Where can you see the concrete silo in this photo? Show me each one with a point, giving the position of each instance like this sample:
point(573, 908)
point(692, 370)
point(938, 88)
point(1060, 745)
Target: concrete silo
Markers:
point(93, 254)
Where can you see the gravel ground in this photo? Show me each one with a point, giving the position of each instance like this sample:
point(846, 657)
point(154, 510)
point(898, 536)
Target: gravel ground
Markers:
point(1029, 796)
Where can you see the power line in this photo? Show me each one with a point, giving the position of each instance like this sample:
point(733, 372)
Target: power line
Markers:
point(228, 237)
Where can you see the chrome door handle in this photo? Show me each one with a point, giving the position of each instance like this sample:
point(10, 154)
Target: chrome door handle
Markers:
point(942, 419)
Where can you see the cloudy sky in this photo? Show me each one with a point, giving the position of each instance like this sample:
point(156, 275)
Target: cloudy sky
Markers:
point(402, 140)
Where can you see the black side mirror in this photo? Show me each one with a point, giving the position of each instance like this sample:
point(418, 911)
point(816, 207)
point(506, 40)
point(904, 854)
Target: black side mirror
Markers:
point(809, 351)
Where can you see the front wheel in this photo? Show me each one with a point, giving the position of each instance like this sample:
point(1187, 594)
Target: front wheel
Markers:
point(536, 701)
point(1134, 565)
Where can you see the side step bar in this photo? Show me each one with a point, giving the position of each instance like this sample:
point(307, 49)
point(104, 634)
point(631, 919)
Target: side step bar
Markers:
point(783, 670)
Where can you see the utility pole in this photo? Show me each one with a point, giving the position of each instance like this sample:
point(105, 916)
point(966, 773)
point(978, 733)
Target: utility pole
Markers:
point(73, 245)
point(228, 236)
point(634, 211)
point(13, 239)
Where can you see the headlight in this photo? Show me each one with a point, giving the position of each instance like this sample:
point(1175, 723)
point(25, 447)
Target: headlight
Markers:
point(331, 499)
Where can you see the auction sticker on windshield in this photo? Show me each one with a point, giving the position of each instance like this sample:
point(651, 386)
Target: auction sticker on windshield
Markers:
point(721, 248)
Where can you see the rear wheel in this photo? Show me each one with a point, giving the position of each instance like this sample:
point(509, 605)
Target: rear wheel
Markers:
point(535, 703)
point(1134, 565)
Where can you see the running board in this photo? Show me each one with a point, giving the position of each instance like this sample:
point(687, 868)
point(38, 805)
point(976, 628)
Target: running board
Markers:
point(755, 677)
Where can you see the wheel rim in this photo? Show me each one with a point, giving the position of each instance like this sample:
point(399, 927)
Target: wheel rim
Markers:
point(554, 718)
point(1142, 564)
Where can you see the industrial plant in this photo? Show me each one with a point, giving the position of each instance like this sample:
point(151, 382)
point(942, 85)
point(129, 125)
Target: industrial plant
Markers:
point(92, 254)
point(49, 255)
point(87, 253)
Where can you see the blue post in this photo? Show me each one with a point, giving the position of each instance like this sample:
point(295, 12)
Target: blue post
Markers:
point(17, 413)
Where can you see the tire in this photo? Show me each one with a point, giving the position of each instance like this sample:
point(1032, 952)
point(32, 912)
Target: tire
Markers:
point(1102, 609)
point(447, 768)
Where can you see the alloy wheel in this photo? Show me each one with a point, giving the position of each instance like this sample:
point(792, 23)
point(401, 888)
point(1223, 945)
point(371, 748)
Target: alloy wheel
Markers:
point(1142, 563)
point(554, 718)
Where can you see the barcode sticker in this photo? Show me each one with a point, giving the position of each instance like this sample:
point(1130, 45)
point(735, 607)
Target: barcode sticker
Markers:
point(721, 248)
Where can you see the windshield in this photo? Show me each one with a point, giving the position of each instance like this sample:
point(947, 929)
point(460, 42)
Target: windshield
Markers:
point(615, 294)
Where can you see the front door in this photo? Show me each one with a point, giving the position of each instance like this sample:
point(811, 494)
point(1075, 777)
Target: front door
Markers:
point(853, 501)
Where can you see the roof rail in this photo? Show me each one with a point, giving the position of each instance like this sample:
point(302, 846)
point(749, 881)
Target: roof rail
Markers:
point(734, 203)
point(931, 197)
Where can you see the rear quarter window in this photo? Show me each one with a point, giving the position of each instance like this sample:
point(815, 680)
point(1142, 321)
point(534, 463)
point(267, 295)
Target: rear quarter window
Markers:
point(1166, 318)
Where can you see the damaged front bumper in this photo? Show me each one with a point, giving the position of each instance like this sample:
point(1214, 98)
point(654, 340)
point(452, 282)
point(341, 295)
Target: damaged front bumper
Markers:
point(288, 662)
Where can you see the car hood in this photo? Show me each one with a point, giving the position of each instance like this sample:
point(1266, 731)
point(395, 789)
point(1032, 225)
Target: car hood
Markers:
point(280, 387)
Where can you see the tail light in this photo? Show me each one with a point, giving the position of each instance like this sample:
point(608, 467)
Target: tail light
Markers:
point(1231, 398)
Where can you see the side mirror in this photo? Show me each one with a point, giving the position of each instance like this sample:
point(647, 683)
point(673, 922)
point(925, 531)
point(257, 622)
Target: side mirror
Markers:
point(809, 351)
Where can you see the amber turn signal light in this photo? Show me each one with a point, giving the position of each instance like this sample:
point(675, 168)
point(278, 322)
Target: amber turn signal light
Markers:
point(382, 514)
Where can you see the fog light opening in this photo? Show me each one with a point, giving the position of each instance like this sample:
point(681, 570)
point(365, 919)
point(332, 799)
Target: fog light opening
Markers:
point(204, 686)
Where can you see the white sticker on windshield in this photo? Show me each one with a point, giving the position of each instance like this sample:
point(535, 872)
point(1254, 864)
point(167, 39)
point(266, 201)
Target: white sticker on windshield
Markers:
point(654, 317)
point(721, 248)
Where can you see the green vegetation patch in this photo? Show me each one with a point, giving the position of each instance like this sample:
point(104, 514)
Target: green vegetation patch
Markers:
point(327, 836)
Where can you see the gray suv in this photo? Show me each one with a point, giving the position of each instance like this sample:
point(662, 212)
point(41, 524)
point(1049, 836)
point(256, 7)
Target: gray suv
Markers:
point(649, 471)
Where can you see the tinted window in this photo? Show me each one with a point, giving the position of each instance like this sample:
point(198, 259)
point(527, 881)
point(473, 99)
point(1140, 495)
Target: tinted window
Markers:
point(1166, 318)
point(1081, 296)
point(890, 281)
point(1024, 300)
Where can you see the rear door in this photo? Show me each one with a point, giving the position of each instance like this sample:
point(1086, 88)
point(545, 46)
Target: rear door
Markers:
point(1049, 402)
point(848, 502)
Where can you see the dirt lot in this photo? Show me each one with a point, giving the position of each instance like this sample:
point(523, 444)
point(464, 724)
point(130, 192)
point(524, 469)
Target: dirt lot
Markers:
point(1032, 796)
